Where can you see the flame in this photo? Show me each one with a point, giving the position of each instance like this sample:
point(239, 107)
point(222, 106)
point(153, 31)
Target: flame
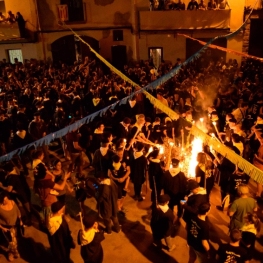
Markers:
point(197, 146)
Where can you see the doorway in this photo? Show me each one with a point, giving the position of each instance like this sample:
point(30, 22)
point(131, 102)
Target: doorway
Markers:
point(155, 55)
point(75, 49)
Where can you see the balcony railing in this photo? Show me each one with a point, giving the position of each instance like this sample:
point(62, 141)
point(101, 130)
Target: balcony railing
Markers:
point(195, 19)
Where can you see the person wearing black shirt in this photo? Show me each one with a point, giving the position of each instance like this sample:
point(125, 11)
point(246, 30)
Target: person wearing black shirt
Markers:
point(232, 252)
point(193, 5)
point(198, 235)
point(174, 184)
point(90, 239)
point(162, 222)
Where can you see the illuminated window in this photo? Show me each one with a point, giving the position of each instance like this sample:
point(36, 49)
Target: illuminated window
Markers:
point(15, 53)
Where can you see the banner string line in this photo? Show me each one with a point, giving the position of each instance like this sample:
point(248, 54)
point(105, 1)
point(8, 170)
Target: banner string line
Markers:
point(223, 48)
point(242, 164)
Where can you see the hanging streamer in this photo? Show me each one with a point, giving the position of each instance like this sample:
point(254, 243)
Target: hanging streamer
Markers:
point(222, 48)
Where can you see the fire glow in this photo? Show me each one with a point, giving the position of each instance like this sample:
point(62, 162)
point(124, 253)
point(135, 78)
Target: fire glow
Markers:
point(197, 146)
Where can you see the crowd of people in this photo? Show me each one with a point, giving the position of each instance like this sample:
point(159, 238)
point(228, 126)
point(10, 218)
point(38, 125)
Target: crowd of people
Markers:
point(192, 5)
point(37, 99)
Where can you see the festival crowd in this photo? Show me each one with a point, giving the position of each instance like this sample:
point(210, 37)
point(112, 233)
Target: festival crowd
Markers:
point(123, 147)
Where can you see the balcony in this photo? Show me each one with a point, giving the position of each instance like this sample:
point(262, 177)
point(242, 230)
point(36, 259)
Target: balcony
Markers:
point(184, 20)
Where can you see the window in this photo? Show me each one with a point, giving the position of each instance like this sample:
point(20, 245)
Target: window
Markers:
point(76, 10)
point(15, 53)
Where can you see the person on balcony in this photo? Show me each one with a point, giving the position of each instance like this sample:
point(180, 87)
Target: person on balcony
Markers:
point(193, 5)
point(10, 17)
point(2, 17)
point(222, 4)
point(211, 5)
point(202, 5)
point(21, 24)
point(180, 5)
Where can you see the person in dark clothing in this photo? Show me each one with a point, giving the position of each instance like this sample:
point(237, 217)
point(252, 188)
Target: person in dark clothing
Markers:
point(102, 159)
point(138, 170)
point(162, 222)
point(90, 239)
point(155, 173)
point(198, 196)
point(203, 172)
point(59, 235)
point(198, 235)
point(21, 24)
point(232, 252)
point(107, 203)
point(193, 5)
point(174, 184)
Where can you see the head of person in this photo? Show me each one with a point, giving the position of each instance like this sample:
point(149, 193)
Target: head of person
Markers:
point(108, 136)
point(193, 186)
point(204, 209)
point(139, 146)
point(244, 105)
point(236, 138)
point(8, 167)
point(159, 95)
point(140, 119)
point(155, 154)
point(57, 164)
point(174, 163)
point(232, 123)
point(121, 143)
point(126, 122)
point(104, 143)
point(4, 197)
point(157, 119)
point(229, 116)
point(40, 171)
point(252, 218)
point(90, 222)
point(201, 158)
point(120, 152)
point(100, 126)
point(163, 199)
point(235, 235)
point(37, 117)
point(243, 190)
point(58, 208)
point(38, 154)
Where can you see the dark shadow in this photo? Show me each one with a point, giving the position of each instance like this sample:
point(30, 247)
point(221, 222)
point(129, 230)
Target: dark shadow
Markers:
point(142, 241)
point(32, 251)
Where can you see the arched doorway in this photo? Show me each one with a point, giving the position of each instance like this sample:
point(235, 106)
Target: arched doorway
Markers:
point(69, 48)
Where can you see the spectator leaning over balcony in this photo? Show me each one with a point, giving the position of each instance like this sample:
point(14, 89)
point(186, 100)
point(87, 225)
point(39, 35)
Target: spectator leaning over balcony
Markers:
point(10, 17)
point(181, 5)
point(222, 4)
point(211, 5)
point(193, 5)
point(202, 5)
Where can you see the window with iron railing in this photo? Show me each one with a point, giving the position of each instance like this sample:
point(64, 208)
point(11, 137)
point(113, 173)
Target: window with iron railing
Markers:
point(73, 10)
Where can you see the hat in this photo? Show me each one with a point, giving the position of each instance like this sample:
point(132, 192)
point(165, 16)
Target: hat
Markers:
point(55, 207)
point(163, 198)
point(192, 184)
point(175, 162)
